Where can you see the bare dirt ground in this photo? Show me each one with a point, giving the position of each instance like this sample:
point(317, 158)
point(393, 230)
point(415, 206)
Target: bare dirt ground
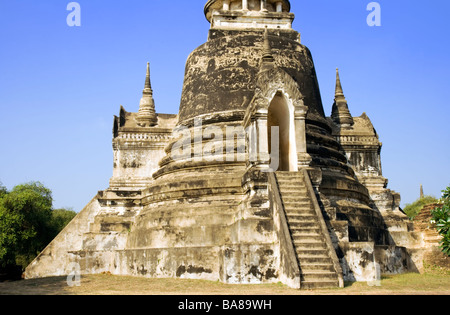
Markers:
point(430, 283)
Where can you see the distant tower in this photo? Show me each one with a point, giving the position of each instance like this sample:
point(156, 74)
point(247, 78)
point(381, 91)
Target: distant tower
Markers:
point(421, 191)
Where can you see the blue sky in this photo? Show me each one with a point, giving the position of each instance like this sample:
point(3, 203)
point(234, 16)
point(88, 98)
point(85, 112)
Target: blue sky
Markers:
point(60, 86)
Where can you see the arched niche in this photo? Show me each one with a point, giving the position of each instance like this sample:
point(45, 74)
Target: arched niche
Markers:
point(277, 102)
point(281, 115)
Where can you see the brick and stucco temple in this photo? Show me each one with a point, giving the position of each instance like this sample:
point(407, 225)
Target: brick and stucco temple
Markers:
point(251, 182)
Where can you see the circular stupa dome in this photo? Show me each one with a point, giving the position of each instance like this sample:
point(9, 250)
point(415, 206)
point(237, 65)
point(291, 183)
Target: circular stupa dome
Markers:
point(221, 74)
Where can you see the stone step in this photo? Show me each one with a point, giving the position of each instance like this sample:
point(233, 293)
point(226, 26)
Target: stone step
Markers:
point(306, 221)
point(313, 259)
point(296, 201)
point(299, 178)
point(302, 246)
point(312, 252)
point(291, 181)
point(317, 267)
point(300, 227)
point(318, 275)
point(432, 239)
point(305, 246)
point(310, 244)
point(298, 208)
point(291, 186)
point(301, 215)
point(314, 284)
point(306, 237)
point(287, 173)
point(293, 190)
point(295, 198)
point(299, 223)
point(299, 234)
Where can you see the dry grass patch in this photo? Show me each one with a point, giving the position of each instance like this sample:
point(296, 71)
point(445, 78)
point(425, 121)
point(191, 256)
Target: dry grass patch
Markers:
point(432, 282)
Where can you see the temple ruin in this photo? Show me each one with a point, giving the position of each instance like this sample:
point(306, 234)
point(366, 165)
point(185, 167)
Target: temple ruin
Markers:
point(250, 182)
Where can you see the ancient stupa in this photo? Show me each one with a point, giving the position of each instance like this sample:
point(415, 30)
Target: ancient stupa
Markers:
point(251, 182)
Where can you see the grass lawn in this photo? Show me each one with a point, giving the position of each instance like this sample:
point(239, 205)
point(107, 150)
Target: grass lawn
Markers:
point(432, 282)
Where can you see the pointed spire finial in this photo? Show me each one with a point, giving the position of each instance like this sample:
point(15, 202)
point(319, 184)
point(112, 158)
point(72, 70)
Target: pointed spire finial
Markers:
point(147, 115)
point(340, 112)
point(148, 85)
point(339, 91)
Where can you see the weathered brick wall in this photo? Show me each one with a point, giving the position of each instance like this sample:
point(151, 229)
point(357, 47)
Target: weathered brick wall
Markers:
point(422, 222)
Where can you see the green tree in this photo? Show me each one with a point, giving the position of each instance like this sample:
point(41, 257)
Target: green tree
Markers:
point(11, 235)
point(441, 217)
point(60, 218)
point(3, 190)
point(28, 223)
point(413, 209)
point(25, 217)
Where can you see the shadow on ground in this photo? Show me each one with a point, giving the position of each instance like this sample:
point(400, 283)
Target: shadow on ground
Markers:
point(46, 286)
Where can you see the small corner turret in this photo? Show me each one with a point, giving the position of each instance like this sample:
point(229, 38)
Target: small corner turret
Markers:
point(340, 113)
point(147, 115)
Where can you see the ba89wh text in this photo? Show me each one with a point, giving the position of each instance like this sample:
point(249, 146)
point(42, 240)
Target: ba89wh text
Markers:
point(246, 304)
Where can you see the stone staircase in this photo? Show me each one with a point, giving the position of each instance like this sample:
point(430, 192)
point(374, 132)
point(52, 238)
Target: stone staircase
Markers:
point(313, 254)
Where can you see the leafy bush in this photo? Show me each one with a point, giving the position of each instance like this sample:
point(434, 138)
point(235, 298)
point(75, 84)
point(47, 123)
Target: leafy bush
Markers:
point(60, 218)
point(441, 217)
point(3, 190)
point(28, 223)
point(413, 209)
point(24, 216)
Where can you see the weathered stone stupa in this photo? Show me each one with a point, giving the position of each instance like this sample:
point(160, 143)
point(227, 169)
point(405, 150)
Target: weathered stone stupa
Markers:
point(250, 182)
